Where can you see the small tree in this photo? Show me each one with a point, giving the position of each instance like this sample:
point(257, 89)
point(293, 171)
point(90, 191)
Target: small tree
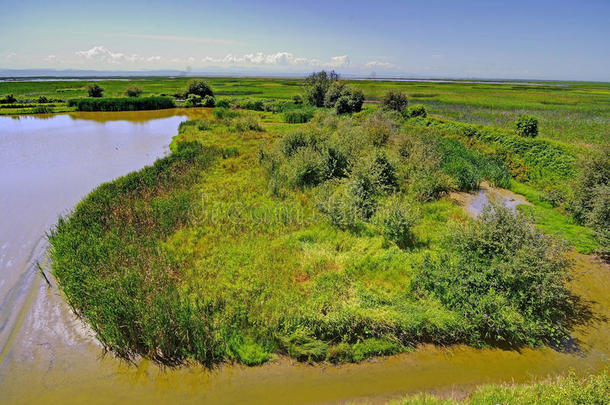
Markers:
point(94, 90)
point(133, 91)
point(395, 100)
point(342, 105)
point(200, 88)
point(335, 90)
point(356, 100)
point(209, 101)
point(527, 125)
point(316, 86)
point(193, 100)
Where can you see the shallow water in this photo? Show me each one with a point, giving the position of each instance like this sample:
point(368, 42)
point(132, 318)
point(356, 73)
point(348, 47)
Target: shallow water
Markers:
point(47, 164)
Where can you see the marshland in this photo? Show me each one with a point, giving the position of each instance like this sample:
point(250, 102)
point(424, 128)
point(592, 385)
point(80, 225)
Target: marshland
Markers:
point(371, 238)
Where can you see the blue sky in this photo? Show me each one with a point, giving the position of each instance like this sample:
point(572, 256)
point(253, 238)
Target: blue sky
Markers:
point(485, 39)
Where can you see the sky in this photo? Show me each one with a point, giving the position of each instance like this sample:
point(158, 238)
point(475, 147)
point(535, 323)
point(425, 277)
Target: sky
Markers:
point(556, 40)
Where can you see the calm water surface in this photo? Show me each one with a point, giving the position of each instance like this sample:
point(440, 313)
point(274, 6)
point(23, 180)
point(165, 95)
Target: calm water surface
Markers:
point(48, 163)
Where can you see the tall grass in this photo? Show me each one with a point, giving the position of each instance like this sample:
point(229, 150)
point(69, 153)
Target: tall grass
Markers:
point(122, 104)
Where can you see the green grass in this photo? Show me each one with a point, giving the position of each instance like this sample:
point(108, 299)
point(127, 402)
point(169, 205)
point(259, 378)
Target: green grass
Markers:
point(204, 256)
point(570, 389)
point(122, 103)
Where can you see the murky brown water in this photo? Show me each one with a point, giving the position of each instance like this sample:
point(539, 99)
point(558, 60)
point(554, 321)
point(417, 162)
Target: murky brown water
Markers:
point(46, 355)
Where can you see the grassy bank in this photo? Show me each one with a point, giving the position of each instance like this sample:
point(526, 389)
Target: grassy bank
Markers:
point(593, 389)
point(327, 241)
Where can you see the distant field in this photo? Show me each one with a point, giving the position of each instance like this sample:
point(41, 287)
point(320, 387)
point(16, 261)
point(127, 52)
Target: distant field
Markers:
point(577, 113)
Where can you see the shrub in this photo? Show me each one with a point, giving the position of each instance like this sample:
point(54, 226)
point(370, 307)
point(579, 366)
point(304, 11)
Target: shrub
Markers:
point(527, 126)
point(10, 99)
point(417, 110)
point(94, 90)
point(356, 100)
point(338, 205)
point(302, 346)
point(200, 88)
point(335, 90)
point(298, 100)
point(594, 172)
point(342, 106)
point(43, 100)
point(193, 100)
point(316, 86)
point(395, 100)
point(208, 101)
point(41, 109)
point(397, 218)
point(299, 116)
point(224, 103)
point(222, 113)
point(379, 128)
point(506, 278)
point(133, 91)
point(246, 122)
point(122, 104)
point(599, 219)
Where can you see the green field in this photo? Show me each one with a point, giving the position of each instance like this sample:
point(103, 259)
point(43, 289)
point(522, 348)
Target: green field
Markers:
point(336, 240)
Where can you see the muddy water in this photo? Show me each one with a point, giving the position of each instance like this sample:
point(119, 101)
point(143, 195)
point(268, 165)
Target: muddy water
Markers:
point(47, 165)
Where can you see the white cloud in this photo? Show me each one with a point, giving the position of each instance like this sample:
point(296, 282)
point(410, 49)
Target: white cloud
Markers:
point(179, 38)
point(103, 54)
point(339, 61)
point(50, 59)
point(380, 65)
point(275, 59)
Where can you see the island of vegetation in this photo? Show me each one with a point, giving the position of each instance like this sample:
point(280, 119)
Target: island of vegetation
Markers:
point(320, 227)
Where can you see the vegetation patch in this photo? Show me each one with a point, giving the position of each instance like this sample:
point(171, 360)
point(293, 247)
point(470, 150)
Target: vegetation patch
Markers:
point(122, 104)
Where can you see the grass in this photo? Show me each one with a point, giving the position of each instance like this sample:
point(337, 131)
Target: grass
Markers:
point(221, 251)
point(122, 103)
point(570, 389)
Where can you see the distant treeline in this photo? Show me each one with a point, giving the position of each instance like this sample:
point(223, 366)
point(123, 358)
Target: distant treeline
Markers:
point(122, 103)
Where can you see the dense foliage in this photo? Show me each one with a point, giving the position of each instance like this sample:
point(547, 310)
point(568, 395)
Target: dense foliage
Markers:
point(94, 90)
point(199, 88)
point(123, 104)
point(527, 125)
point(133, 91)
point(395, 100)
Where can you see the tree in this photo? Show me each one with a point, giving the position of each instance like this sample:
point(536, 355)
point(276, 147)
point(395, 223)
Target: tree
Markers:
point(335, 90)
point(199, 88)
point(94, 90)
point(133, 91)
point(395, 100)
point(316, 86)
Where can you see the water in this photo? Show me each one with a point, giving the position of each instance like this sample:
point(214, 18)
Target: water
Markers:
point(47, 164)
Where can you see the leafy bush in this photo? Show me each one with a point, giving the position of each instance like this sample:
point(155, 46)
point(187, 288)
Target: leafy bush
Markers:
point(122, 104)
point(296, 99)
point(94, 90)
point(599, 219)
point(594, 172)
point(356, 100)
point(199, 88)
point(527, 126)
point(9, 99)
point(395, 100)
point(379, 128)
point(397, 218)
point(223, 103)
point(133, 91)
point(506, 279)
point(209, 101)
point(301, 345)
point(417, 110)
point(193, 100)
point(222, 113)
point(43, 100)
point(342, 105)
point(316, 86)
point(246, 122)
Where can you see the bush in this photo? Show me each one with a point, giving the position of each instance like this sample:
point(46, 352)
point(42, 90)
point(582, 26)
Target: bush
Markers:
point(10, 99)
point(224, 103)
point(199, 88)
point(94, 90)
point(527, 126)
point(208, 101)
point(43, 100)
point(395, 100)
point(356, 100)
point(594, 172)
point(296, 99)
point(222, 113)
point(599, 219)
point(335, 90)
point(506, 279)
point(246, 122)
point(122, 104)
point(316, 86)
point(417, 110)
point(379, 128)
point(342, 106)
point(193, 100)
point(397, 218)
point(133, 91)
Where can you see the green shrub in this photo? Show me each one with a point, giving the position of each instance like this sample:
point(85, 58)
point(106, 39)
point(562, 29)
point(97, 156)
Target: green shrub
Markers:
point(199, 88)
point(296, 99)
point(41, 109)
point(395, 100)
point(246, 122)
point(506, 278)
point(342, 105)
point(223, 103)
point(208, 101)
point(43, 100)
point(193, 100)
point(594, 171)
point(417, 110)
point(133, 91)
point(302, 346)
point(356, 100)
point(379, 128)
point(335, 90)
point(316, 86)
point(93, 90)
point(122, 104)
point(9, 99)
point(223, 113)
point(397, 218)
point(527, 126)
point(599, 219)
